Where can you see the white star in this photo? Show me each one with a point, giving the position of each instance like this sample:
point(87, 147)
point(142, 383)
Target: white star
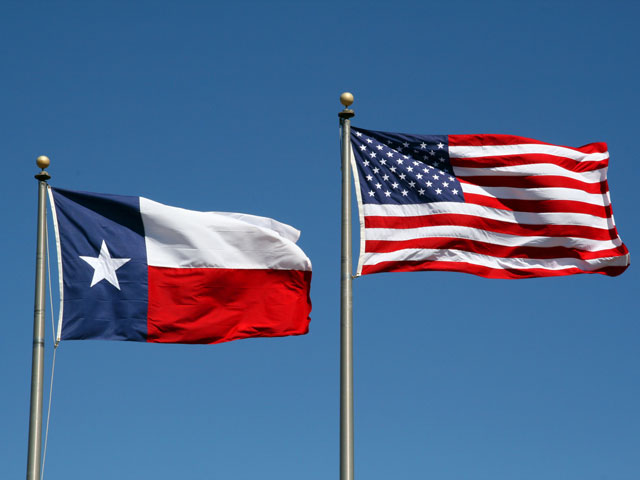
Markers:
point(429, 184)
point(369, 177)
point(404, 193)
point(376, 170)
point(405, 144)
point(363, 147)
point(385, 177)
point(104, 267)
point(454, 191)
point(366, 163)
point(419, 176)
point(394, 185)
point(421, 191)
point(412, 184)
point(387, 193)
point(399, 161)
point(358, 134)
point(372, 193)
point(373, 154)
point(438, 191)
point(393, 169)
point(416, 163)
point(369, 140)
point(378, 186)
point(435, 177)
point(403, 176)
point(383, 161)
point(423, 145)
point(389, 154)
point(445, 184)
point(379, 147)
point(410, 169)
point(440, 145)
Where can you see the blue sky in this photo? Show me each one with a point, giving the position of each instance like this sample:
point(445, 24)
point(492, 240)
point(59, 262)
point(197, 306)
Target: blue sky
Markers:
point(233, 107)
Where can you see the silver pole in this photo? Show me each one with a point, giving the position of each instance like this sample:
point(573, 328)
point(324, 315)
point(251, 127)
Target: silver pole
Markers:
point(346, 301)
point(37, 359)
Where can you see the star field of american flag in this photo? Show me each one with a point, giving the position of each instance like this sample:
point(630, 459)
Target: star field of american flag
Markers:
point(404, 169)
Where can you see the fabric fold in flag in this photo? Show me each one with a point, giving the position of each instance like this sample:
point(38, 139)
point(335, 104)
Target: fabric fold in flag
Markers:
point(134, 269)
point(497, 206)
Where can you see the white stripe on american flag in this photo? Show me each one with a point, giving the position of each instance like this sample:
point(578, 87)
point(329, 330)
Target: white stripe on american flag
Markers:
point(451, 255)
point(456, 231)
point(535, 193)
point(545, 218)
point(594, 176)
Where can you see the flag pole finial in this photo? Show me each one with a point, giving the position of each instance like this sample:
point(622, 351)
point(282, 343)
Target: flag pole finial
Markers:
point(346, 99)
point(43, 162)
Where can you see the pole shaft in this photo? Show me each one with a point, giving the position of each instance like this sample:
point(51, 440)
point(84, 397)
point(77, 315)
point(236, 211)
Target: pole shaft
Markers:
point(37, 359)
point(346, 314)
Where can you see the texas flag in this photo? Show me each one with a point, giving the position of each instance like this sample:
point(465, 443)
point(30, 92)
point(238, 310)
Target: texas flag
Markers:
point(134, 269)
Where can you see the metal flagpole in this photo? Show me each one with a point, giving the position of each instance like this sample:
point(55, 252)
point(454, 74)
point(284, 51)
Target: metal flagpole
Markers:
point(346, 303)
point(37, 359)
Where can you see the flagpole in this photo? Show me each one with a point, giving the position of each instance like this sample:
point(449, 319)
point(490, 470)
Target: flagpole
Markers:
point(346, 300)
point(37, 358)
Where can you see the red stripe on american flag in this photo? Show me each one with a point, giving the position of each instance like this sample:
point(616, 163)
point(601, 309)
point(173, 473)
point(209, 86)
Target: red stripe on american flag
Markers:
point(529, 159)
point(487, 272)
point(536, 181)
point(492, 249)
point(492, 225)
point(539, 205)
point(480, 140)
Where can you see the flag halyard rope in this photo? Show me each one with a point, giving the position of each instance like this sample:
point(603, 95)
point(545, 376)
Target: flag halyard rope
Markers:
point(53, 361)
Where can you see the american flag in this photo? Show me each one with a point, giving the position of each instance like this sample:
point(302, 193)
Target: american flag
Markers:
point(497, 206)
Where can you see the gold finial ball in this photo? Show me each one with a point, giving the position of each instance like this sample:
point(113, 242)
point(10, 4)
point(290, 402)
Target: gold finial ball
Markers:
point(43, 161)
point(346, 99)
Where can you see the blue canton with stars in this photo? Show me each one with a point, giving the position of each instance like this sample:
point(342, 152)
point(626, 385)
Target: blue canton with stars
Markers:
point(398, 169)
